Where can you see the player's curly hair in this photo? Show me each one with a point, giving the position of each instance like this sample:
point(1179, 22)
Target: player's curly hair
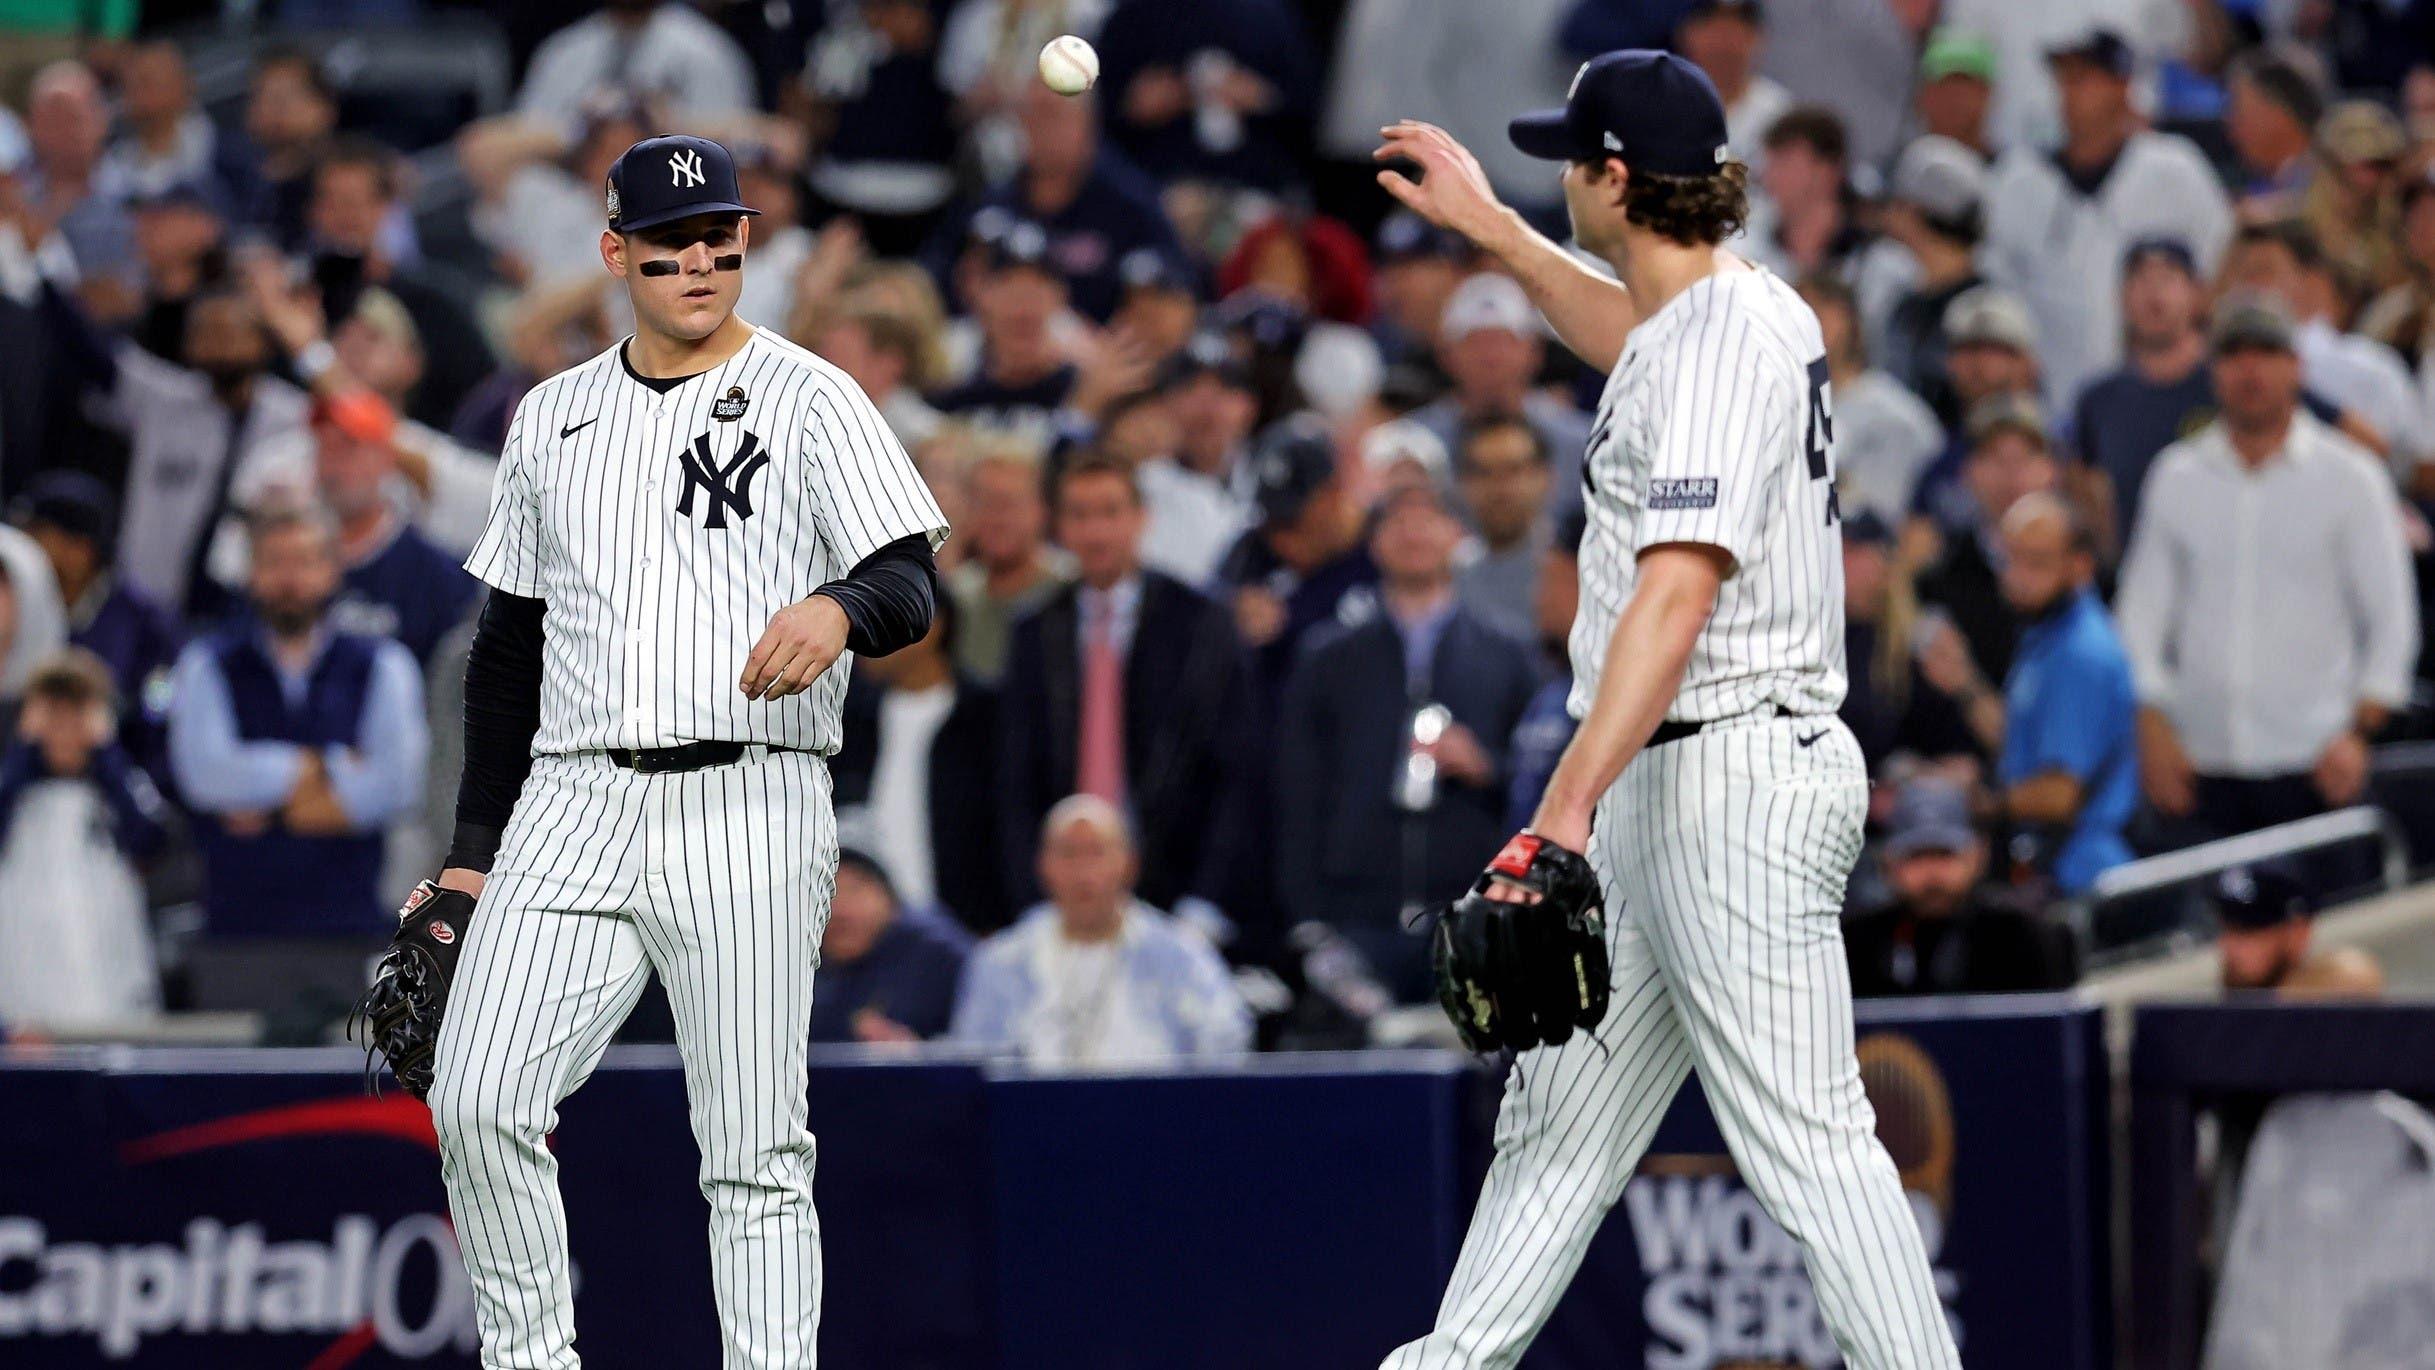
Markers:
point(1690, 210)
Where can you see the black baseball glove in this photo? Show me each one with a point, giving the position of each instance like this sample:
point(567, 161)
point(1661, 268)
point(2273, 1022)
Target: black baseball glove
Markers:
point(1516, 976)
point(410, 985)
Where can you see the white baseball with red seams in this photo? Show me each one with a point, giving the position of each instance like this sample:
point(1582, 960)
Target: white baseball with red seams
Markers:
point(1068, 65)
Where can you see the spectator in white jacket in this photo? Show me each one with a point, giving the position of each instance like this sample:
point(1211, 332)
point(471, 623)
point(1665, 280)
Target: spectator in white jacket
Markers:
point(76, 816)
point(2266, 600)
point(2058, 219)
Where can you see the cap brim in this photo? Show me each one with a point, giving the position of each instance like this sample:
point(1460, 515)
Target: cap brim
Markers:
point(2100, 58)
point(1544, 133)
point(1937, 838)
point(669, 216)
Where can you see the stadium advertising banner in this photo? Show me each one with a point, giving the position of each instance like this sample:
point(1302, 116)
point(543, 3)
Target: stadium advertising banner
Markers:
point(255, 1209)
point(1992, 1110)
point(226, 1209)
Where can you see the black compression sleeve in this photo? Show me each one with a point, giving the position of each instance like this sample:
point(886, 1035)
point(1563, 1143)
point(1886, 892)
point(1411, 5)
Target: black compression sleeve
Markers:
point(502, 714)
point(889, 598)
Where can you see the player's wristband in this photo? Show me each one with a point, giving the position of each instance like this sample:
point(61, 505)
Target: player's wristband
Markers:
point(474, 848)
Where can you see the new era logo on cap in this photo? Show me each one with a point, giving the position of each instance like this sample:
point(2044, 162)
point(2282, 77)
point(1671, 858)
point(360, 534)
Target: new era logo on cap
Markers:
point(1654, 110)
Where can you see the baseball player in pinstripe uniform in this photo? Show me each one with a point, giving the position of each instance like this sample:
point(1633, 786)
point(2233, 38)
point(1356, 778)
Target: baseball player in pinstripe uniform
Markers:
point(689, 534)
point(1715, 793)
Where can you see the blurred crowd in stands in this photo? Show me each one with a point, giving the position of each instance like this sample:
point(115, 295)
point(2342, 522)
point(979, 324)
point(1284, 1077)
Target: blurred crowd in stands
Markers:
point(1265, 498)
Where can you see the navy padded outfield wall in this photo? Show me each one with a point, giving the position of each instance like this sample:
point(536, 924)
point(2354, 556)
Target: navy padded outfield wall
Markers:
point(205, 1209)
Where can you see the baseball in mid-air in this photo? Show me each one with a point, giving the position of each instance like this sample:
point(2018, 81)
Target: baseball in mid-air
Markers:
point(1068, 65)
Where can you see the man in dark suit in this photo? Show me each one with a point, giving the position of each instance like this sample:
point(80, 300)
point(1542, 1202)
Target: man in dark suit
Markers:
point(1391, 748)
point(1128, 685)
point(917, 779)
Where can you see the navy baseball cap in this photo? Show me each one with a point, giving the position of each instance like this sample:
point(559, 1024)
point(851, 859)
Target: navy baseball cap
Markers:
point(1405, 236)
point(1930, 814)
point(672, 177)
point(2172, 250)
point(1206, 353)
point(190, 193)
point(2266, 895)
point(1017, 243)
point(2100, 47)
point(1155, 268)
point(1292, 460)
point(1656, 111)
point(74, 503)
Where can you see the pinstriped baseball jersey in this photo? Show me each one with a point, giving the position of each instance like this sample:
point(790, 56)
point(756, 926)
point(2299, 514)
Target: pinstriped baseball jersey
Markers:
point(1723, 856)
point(665, 529)
point(1716, 427)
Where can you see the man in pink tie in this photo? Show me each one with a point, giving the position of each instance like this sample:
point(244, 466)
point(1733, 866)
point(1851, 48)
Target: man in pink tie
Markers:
point(1127, 685)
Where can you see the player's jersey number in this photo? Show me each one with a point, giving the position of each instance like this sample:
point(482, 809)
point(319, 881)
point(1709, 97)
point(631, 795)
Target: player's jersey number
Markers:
point(1821, 436)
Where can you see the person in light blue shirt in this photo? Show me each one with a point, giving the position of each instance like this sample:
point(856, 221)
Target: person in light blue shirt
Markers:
point(2067, 756)
point(1095, 978)
point(295, 745)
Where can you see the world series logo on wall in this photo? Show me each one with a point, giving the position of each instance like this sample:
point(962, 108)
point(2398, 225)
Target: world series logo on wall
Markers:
point(1726, 1286)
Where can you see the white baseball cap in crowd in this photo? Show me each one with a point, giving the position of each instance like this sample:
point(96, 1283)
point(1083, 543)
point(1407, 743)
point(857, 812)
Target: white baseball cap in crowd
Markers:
point(1399, 442)
point(1984, 314)
point(1942, 179)
point(1488, 299)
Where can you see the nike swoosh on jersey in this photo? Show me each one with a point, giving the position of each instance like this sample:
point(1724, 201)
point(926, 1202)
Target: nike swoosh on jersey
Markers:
point(1805, 741)
point(573, 428)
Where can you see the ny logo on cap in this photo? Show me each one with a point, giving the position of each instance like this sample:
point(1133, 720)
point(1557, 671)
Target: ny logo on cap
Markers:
point(685, 168)
point(1584, 70)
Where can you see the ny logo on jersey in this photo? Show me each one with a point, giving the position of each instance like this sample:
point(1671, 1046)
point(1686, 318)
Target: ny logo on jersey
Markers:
point(729, 486)
point(685, 168)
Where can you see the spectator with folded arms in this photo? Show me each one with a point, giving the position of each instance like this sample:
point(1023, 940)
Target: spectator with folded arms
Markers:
point(295, 744)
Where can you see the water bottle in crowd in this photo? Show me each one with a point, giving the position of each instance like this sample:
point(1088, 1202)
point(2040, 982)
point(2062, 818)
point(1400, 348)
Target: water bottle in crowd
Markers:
point(1417, 791)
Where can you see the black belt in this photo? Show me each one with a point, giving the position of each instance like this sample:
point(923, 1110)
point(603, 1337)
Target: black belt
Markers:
point(693, 756)
point(1671, 731)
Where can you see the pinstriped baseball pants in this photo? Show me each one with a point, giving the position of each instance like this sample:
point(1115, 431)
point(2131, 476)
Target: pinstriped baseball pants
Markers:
point(1723, 858)
point(719, 880)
